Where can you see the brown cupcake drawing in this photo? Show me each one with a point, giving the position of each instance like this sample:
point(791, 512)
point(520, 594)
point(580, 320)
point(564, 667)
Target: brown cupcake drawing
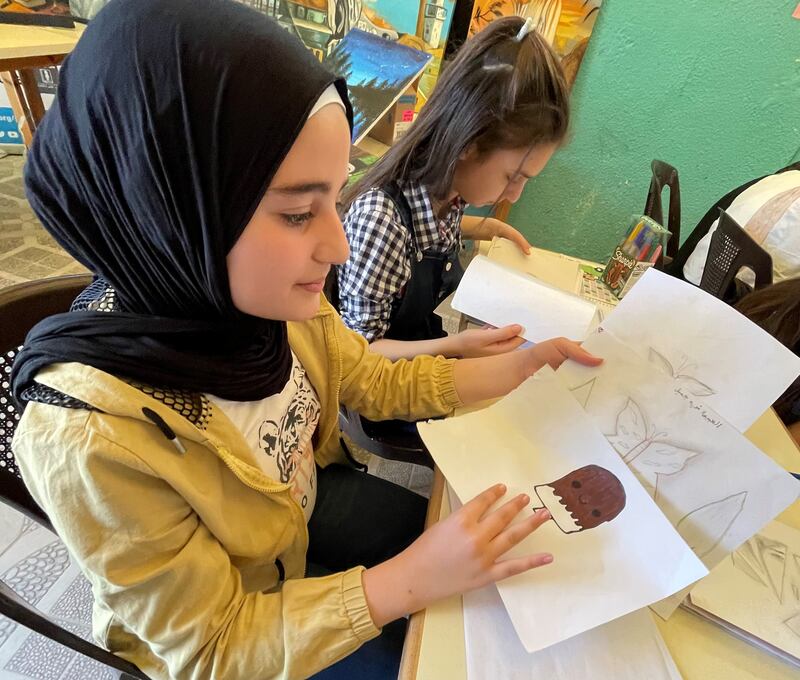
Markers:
point(583, 499)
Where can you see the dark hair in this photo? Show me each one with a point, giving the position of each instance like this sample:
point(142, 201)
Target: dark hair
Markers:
point(498, 93)
point(776, 309)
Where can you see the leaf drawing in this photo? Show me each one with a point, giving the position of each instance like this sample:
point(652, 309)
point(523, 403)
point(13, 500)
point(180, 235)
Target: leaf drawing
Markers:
point(793, 623)
point(647, 452)
point(704, 528)
point(689, 382)
point(765, 561)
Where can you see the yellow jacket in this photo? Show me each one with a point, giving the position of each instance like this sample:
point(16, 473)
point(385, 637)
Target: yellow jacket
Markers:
point(182, 549)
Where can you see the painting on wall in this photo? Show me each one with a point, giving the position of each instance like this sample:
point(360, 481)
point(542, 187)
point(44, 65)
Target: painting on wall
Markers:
point(377, 73)
point(36, 12)
point(566, 24)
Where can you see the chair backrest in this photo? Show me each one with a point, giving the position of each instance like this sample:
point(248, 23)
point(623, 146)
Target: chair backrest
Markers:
point(17, 609)
point(706, 222)
point(665, 175)
point(732, 248)
point(22, 307)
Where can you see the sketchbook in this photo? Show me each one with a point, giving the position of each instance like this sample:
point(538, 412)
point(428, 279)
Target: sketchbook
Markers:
point(755, 593)
point(498, 295)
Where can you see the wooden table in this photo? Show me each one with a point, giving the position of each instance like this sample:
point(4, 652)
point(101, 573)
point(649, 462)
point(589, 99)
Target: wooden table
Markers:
point(22, 49)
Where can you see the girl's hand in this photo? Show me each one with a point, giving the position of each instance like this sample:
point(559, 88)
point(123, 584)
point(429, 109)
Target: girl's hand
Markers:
point(507, 231)
point(460, 553)
point(556, 351)
point(488, 341)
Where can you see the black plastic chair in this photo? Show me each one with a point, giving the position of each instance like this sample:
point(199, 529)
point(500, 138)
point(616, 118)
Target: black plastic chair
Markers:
point(731, 248)
point(665, 175)
point(387, 439)
point(21, 307)
point(675, 268)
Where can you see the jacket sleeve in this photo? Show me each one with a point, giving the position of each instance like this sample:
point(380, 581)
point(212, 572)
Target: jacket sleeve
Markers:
point(168, 580)
point(379, 388)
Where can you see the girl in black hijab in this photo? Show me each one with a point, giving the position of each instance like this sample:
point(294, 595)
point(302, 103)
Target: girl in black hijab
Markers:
point(179, 433)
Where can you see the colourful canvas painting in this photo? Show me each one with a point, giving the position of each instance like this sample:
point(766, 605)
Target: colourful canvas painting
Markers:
point(566, 24)
point(322, 24)
point(377, 71)
point(37, 12)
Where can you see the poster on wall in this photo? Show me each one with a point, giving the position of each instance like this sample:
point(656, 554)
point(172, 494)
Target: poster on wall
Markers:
point(566, 24)
point(36, 12)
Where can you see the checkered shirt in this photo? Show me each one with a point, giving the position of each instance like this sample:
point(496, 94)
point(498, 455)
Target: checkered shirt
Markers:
point(382, 251)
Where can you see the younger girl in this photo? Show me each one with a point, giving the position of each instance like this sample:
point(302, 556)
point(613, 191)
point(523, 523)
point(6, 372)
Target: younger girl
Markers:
point(179, 433)
point(494, 120)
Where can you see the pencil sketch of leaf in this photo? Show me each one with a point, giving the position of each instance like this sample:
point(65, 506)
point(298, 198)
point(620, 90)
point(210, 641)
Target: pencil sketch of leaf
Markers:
point(765, 561)
point(648, 453)
point(692, 384)
point(704, 528)
point(794, 575)
point(793, 623)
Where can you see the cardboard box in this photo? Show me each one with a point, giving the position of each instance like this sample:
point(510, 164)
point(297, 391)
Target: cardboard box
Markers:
point(397, 119)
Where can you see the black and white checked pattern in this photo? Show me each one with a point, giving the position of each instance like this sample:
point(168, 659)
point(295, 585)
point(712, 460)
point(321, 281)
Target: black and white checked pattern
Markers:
point(382, 250)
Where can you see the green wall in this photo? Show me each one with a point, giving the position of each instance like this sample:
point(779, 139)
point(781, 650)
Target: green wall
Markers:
point(710, 86)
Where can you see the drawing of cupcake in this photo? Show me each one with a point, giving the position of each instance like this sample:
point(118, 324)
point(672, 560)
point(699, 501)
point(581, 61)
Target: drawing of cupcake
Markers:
point(582, 499)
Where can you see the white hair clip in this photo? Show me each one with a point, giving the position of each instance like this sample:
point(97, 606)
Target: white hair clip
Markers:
point(526, 28)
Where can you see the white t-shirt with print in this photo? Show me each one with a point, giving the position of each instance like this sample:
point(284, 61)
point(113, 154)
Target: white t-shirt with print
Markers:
point(280, 428)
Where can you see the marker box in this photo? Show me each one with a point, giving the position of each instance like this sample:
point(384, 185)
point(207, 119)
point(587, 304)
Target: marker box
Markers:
point(641, 249)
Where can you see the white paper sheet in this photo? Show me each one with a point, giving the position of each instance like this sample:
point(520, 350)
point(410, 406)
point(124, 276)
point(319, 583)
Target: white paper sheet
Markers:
point(758, 588)
point(500, 296)
point(630, 648)
point(706, 345)
point(530, 440)
point(710, 481)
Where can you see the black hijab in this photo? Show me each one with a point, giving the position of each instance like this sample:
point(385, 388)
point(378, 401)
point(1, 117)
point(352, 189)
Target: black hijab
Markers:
point(171, 118)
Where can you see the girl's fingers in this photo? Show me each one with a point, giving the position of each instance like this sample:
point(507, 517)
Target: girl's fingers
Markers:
point(490, 335)
point(478, 506)
point(515, 533)
point(496, 521)
point(573, 350)
point(521, 242)
point(517, 565)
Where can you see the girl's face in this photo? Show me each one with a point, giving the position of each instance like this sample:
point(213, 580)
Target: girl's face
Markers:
point(278, 266)
point(482, 179)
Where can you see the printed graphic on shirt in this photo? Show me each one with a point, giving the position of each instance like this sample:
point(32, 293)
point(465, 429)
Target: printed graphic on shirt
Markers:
point(288, 442)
